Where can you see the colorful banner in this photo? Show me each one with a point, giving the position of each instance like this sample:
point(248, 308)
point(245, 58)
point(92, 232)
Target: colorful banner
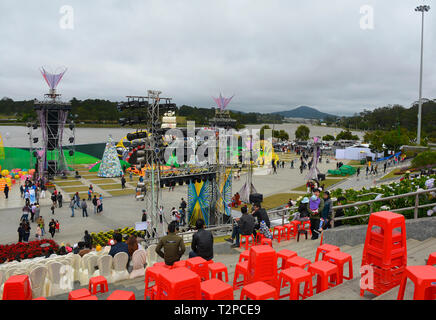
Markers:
point(199, 196)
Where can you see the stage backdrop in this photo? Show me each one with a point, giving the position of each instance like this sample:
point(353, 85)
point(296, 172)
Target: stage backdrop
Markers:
point(199, 196)
point(226, 191)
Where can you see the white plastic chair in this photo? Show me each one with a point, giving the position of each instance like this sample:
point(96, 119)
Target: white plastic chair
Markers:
point(59, 281)
point(152, 256)
point(76, 261)
point(38, 281)
point(139, 260)
point(120, 264)
point(105, 267)
point(85, 274)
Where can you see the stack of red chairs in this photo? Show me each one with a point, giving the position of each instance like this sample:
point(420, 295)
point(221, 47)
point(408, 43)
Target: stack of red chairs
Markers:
point(178, 284)
point(385, 250)
point(262, 265)
point(17, 288)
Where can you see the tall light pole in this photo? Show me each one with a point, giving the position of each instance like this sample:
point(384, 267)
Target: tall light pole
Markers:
point(421, 9)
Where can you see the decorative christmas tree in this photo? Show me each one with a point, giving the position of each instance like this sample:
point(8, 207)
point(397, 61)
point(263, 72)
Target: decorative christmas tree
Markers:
point(110, 165)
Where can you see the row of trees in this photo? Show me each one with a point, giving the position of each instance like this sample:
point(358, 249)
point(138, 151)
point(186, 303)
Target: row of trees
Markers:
point(279, 134)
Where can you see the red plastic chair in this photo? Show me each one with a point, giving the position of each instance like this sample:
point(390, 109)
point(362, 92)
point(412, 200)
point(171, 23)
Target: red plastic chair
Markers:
point(281, 233)
point(258, 291)
point(98, 281)
point(215, 289)
point(262, 265)
point(217, 269)
point(424, 278)
point(266, 242)
point(179, 264)
point(89, 298)
point(297, 261)
point(323, 249)
point(324, 270)
point(431, 259)
point(340, 259)
point(151, 276)
point(121, 295)
point(295, 276)
point(305, 225)
point(17, 287)
point(199, 266)
point(240, 269)
point(259, 238)
point(244, 255)
point(284, 255)
point(249, 241)
point(178, 284)
point(162, 264)
point(40, 298)
point(78, 294)
point(290, 228)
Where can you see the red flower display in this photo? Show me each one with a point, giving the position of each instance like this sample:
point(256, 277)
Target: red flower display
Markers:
point(27, 250)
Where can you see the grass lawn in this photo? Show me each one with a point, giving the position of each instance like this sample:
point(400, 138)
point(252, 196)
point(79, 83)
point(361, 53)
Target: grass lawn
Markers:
point(327, 183)
point(110, 186)
point(279, 199)
point(102, 181)
point(69, 183)
point(354, 163)
point(121, 192)
point(75, 189)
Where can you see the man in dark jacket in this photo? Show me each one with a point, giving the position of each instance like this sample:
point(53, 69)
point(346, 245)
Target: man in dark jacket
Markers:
point(245, 225)
point(172, 244)
point(183, 206)
point(119, 245)
point(202, 242)
point(88, 240)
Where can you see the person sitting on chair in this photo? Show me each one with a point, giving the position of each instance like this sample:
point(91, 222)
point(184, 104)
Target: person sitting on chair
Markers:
point(202, 242)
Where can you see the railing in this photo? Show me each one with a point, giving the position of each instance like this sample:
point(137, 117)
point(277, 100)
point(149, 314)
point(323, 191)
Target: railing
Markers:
point(285, 212)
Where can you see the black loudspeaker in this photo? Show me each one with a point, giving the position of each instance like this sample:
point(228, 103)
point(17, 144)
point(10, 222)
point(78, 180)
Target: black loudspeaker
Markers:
point(321, 177)
point(52, 129)
point(256, 197)
point(51, 167)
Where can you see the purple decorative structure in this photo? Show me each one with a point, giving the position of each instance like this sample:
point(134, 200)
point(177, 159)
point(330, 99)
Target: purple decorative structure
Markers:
point(314, 171)
point(52, 79)
point(52, 117)
point(222, 102)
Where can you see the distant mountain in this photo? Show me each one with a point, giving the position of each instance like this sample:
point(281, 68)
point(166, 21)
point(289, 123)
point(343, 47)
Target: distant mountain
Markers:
point(304, 112)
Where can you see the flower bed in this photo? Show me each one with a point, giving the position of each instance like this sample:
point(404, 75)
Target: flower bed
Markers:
point(29, 250)
point(102, 238)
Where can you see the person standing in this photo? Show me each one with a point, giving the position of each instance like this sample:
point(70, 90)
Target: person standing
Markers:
point(367, 170)
point(88, 240)
point(144, 215)
point(59, 197)
point(94, 203)
point(43, 188)
point(6, 190)
point(26, 231)
point(54, 199)
point(172, 244)
point(202, 242)
point(22, 191)
point(37, 212)
point(52, 227)
point(315, 207)
point(25, 215)
point(42, 225)
point(101, 203)
point(84, 206)
point(183, 206)
point(326, 214)
point(52, 208)
point(77, 200)
point(89, 195)
point(72, 205)
point(123, 182)
point(358, 171)
point(32, 212)
point(21, 232)
point(384, 167)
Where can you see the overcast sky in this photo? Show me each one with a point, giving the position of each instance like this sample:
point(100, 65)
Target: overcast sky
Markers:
point(273, 55)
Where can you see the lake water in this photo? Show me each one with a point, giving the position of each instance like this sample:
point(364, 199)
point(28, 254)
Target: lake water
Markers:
point(16, 136)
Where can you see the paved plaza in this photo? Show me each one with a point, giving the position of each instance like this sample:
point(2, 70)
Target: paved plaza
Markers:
point(124, 211)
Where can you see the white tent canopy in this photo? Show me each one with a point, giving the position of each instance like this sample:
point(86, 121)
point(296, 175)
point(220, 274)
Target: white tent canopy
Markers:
point(356, 153)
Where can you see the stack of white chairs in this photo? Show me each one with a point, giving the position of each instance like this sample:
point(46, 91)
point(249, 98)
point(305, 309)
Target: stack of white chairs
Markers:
point(139, 260)
point(120, 267)
point(105, 267)
point(76, 260)
point(89, 262)
point(39, 281)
